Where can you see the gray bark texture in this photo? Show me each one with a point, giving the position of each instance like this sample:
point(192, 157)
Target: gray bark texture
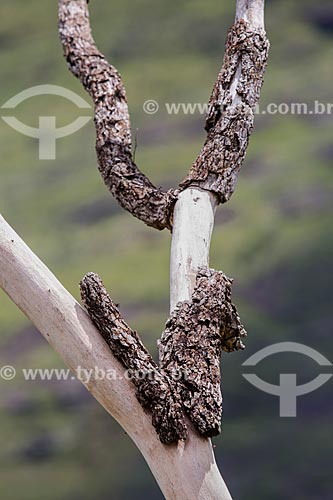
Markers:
point(132, 189)
point(229, 122)
point(192, 344)
point(154, 389)
point(188, 378)
point(187, 381)
point(231, 112)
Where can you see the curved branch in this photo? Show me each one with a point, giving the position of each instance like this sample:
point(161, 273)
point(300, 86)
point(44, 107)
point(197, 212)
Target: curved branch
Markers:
point(132, 189)
point(236, 93)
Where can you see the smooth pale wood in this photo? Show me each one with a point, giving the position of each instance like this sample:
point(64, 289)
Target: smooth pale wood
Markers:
point(251, 11)
point(193, 222)
point(187, 471)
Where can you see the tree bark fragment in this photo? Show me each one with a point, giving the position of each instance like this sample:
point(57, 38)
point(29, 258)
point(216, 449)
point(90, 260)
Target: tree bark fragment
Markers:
point(154, 390)
point(232, 105)
point(188, 378)
point(192, 343)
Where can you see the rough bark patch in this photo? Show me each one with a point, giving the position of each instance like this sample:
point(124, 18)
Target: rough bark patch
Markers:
point(192, 343)
point(154, 390)
point(132, 189)
point(188, 379)
point(229, 122)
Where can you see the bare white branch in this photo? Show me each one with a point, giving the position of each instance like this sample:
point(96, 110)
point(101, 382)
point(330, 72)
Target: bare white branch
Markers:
point(251, 11)
point(193, 224)
point(185, 471)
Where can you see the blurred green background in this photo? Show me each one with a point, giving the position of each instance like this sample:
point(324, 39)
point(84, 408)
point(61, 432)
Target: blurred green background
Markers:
point(274, 237)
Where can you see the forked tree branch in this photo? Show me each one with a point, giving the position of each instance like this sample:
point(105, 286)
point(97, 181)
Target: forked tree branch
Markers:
point(192, 343)
point(187, 470)
point(203, 319)
point(229, 121)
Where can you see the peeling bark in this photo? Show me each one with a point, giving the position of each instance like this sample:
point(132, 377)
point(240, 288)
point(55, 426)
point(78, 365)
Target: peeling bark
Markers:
point(192, 342)
point(188, 379)
point(154, 390)
point(229, 122)
point(230, 118)
point(132, 189)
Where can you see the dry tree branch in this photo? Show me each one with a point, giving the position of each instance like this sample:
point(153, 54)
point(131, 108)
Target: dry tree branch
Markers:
point(203, 319)
point(213, 177)
point(236, 93)
point(185, 471)
point(229, 122)
point(131, 188)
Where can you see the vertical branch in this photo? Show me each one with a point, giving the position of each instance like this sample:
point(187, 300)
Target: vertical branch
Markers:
point(193, 222)
point(212, 178)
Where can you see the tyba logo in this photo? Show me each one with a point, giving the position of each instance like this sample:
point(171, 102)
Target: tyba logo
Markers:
point(47, 133)
point(288, 390)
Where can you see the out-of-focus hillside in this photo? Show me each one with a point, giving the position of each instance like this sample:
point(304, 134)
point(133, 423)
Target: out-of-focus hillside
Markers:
point(274, 237)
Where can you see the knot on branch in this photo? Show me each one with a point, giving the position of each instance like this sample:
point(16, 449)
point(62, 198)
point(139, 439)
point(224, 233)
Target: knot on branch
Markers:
point(188, 378)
